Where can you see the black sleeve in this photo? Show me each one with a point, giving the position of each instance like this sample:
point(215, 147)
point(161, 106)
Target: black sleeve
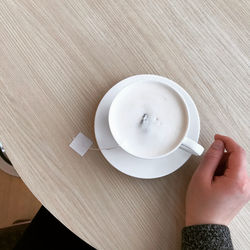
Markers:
point(207, 237)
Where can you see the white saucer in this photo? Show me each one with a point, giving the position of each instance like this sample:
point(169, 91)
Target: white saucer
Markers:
point(128, 164)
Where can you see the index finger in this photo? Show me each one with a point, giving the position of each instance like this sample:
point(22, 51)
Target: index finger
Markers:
point(236, 167)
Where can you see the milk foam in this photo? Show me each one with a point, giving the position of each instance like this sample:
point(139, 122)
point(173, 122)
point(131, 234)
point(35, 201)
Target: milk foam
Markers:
point(148, 119)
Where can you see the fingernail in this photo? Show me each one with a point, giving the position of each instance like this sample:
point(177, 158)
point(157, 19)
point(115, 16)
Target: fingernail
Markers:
point(217, 144)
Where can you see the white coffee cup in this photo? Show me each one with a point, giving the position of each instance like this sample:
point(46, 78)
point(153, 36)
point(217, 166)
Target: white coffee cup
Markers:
point(149, 119)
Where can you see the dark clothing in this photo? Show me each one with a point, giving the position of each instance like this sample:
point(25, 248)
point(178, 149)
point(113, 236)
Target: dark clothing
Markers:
point(207, 237)
point(46, 232)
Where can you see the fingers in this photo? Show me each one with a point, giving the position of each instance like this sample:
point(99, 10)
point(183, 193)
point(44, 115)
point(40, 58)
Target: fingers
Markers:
point(236, 165)
point(210, 161)
point(230, 144)
point(222, 166)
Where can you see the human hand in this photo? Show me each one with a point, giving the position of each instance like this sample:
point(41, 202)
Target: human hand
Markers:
point(220, 186)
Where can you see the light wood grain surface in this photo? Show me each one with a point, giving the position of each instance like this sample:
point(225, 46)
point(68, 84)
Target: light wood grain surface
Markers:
point(58, 58)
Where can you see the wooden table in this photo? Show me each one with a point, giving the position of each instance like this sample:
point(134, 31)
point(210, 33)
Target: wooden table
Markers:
point(58, 58)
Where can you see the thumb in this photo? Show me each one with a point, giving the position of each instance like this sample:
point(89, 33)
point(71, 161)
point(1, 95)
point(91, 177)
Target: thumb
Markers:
point(210, 161)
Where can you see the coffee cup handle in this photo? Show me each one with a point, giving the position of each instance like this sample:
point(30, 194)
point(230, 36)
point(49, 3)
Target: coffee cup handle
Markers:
point(191, 146)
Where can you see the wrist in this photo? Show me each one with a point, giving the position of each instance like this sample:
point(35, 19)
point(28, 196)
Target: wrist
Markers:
point(202, 221)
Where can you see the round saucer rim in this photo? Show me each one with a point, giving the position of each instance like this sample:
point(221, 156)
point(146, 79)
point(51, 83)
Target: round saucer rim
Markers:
point(187, 98)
